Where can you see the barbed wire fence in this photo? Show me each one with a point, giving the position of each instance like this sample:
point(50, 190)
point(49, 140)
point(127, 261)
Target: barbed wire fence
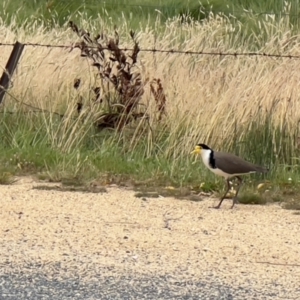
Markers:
point(12, 61)
point(166, 51)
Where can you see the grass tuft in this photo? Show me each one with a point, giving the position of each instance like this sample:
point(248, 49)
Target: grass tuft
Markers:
point(252, 198)
point(6, 178)
point(163, 191)
point(292, 205)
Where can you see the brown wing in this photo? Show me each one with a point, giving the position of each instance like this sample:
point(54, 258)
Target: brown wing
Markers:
point(235, 165)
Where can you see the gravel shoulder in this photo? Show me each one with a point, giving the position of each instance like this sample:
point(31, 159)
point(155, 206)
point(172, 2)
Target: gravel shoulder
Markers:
point(112, 245)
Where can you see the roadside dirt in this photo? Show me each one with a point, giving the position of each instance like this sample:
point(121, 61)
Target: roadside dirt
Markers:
point(249, 246)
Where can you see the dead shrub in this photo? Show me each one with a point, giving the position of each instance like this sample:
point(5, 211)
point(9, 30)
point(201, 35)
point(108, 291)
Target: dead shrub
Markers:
point(121, 86)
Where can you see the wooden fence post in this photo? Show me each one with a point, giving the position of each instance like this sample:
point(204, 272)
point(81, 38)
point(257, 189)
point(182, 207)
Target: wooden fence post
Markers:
point(10, 68)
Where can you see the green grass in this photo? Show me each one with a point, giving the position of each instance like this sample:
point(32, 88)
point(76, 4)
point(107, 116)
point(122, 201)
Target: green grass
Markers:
point(139, 13)
point(135, 12)
point(27, 148)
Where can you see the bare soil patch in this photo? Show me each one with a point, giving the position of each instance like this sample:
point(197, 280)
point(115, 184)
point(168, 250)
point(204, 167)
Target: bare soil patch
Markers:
point(250, 246)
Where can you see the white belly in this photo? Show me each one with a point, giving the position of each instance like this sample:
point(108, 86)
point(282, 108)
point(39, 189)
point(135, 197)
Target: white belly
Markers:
point(221, 173)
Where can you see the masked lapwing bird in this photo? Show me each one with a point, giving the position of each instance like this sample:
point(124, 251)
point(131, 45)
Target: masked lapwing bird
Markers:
point(228, 166)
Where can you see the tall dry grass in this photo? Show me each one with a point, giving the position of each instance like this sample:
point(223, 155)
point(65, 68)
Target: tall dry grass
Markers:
point(214, 99)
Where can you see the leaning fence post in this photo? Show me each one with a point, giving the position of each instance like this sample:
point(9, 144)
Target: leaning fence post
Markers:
point(10, 68)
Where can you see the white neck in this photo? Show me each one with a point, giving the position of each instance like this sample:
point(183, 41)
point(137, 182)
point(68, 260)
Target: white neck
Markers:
point(205, 154)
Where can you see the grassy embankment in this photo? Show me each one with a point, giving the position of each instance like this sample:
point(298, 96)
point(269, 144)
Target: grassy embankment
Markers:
point(245, 105)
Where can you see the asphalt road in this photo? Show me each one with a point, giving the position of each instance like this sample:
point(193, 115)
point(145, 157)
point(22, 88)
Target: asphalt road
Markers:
point(38, 286)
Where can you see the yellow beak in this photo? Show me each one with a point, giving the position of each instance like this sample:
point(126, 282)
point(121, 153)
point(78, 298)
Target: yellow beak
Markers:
point(196, 151)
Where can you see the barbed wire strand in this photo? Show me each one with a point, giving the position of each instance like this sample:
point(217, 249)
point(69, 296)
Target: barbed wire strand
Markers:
point(166, 51)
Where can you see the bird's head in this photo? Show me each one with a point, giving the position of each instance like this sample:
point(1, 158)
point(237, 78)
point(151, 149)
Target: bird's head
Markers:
point(199, 149)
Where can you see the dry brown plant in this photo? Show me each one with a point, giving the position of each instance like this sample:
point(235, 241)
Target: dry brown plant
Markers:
point(121, 84)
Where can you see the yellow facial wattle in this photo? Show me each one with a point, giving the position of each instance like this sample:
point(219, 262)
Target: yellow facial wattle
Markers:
point(197, 150)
